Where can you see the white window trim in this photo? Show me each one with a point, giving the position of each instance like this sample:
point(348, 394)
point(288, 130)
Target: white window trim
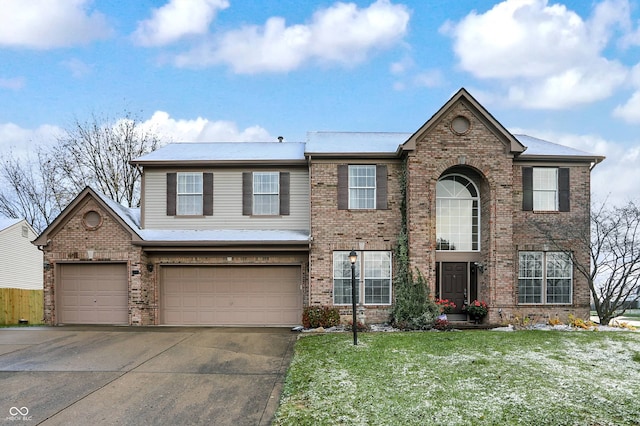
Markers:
point(254, 193)
point(478, 199)
point(361, 278)
point(375, 186)
point(178, 193)
point(555, 191)
point(543, 295)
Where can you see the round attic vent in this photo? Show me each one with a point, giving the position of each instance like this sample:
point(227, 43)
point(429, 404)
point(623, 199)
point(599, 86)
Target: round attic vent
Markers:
point(460, 125)
point(92, 220)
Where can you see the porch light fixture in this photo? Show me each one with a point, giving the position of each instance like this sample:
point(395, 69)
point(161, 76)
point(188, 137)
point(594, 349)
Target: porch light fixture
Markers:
point(479, 266)
point(353, 256)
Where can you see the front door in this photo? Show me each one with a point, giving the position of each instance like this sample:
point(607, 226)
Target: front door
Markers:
point(453, 283)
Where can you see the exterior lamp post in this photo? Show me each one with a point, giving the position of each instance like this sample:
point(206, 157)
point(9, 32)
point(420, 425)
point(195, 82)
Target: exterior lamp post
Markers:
point(353, 256)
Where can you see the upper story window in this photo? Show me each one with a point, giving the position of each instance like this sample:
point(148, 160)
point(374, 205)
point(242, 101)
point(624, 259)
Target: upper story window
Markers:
point(545, 188)
point(362, 187)
point(457, 214)
point(266, 193)
point(189, 194)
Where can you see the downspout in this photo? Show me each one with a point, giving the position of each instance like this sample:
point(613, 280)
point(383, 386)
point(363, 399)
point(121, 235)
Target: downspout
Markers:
point(310, 235)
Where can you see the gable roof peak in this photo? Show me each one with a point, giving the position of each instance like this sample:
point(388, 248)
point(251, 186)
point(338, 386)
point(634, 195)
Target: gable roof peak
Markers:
point(463, 96)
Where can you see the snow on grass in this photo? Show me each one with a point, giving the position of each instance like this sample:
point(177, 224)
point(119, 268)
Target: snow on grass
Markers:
point(473, 378)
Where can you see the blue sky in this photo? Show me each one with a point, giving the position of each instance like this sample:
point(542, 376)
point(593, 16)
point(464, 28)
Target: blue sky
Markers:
point(225, 70)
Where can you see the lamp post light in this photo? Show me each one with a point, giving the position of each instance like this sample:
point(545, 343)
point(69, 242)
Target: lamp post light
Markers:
point(353, 256)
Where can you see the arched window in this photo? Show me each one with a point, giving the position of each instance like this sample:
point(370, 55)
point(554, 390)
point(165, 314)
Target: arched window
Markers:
point(457, 214)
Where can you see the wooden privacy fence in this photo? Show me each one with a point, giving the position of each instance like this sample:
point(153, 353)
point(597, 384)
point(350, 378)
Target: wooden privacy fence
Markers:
point(17, 304)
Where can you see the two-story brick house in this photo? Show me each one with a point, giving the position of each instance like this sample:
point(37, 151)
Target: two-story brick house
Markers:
point(249, 233)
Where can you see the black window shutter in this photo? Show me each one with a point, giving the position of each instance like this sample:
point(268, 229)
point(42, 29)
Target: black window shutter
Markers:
point(343, 187)
point(527, 188)
point(284, 193)
point(381, 187)
point(563, 189)
point(247, 193)
point(171, 193)
point(207, 194)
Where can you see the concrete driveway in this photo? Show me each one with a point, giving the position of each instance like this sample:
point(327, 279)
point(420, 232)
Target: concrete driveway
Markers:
point(151, 375)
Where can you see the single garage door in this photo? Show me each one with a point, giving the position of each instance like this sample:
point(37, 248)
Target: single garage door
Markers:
point(231, 295)
point(91, 293)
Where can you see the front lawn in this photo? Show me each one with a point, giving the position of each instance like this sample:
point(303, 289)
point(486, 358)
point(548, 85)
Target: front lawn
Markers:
point(464, 378)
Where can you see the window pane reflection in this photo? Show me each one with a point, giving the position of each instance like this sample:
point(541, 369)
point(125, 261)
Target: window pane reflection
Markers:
point(457, 214)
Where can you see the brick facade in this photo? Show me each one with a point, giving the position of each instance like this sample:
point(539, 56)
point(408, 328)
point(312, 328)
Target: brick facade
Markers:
point(74, 242)
point(484, 153)
point(344, 230)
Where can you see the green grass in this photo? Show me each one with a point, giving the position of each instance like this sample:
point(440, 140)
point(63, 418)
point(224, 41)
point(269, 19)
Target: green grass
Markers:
point(464, 378)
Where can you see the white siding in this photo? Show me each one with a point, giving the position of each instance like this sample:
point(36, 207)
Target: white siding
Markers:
point(227, 203)
point(20, 261)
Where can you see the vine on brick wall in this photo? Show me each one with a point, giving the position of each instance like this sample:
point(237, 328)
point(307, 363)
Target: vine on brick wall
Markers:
point(413, 309)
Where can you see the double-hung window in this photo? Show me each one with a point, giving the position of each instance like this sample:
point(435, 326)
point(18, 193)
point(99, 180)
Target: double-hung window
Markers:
point(266, 193)
point(545, 189)
point(545, 277)
point(189, 194)
point(375, 269)
point(362, 187)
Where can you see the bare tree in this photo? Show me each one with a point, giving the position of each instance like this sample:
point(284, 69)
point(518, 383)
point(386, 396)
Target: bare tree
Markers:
point(615, 254)
point(612, 268)
point(29, 190)
point(97, 153)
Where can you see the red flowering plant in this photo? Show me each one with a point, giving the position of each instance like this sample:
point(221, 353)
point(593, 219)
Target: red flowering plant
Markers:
point(477, 308)
point(445, 305)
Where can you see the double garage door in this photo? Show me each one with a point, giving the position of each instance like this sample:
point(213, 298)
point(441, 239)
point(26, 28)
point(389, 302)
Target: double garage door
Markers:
point(97, 293)
point(92, 293)
point(230, 295)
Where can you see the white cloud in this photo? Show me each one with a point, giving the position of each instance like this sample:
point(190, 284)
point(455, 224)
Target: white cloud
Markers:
point(341, 34)
point(572, 86)
point(45, 24)
point(202, 130)
point(23, 142)
point(15, 83)
point(621, 165)
point(548, 55)
point(177, 19)
point(630, 111)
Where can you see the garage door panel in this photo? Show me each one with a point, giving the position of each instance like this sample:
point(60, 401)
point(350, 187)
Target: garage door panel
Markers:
point(92, 294)
point(237, 295)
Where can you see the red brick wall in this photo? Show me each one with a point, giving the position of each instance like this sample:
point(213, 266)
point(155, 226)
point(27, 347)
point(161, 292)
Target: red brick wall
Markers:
point(484, 158)
point(566, 230)
point(109, 242)
point(112, 243)
point(334, 229)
